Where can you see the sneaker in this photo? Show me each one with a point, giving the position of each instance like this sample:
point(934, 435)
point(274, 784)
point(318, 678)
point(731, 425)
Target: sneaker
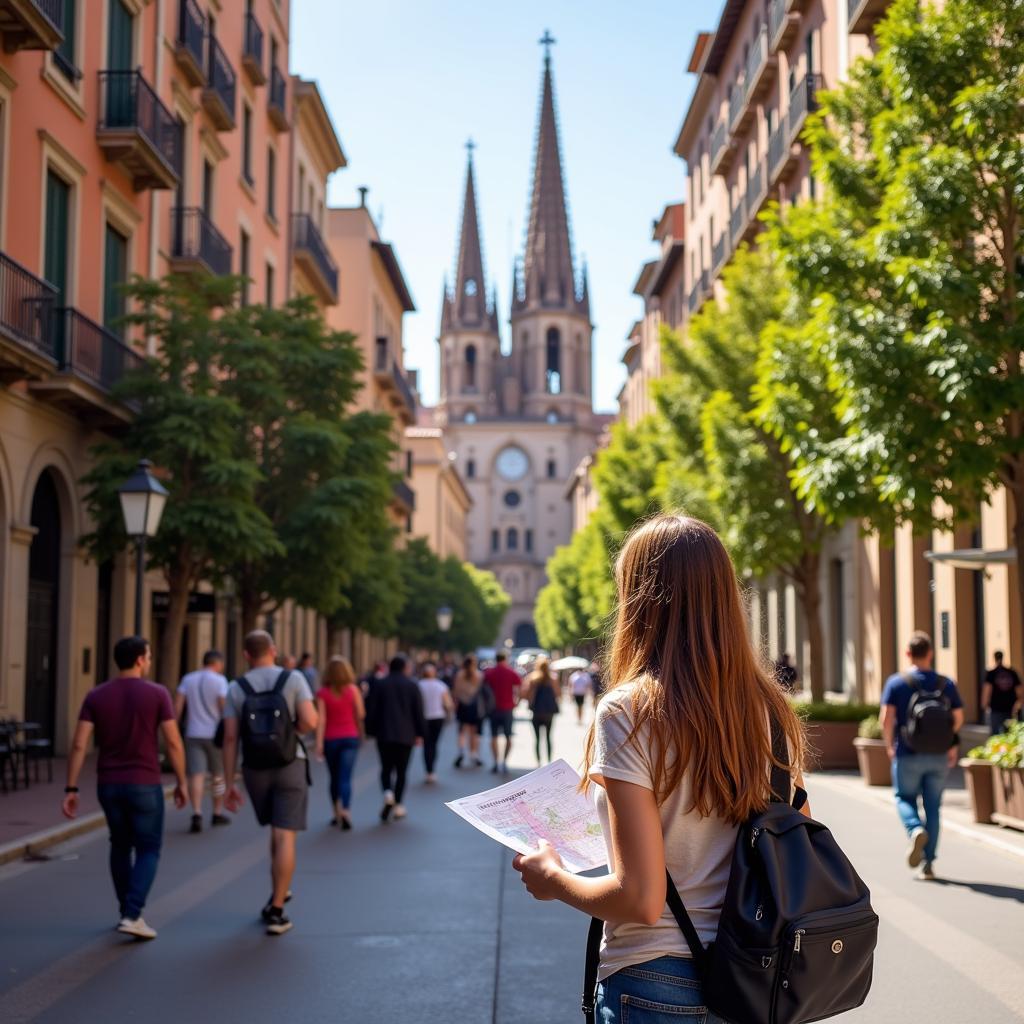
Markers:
point(495, 770)
point(220, 819)
point(346, 823)
point(477, 763)
point(927, 872)
point(399, 812)
point(458, 761)
point(389, 797)
point(266, 912)
point(197, 823)
point(136, 927)
point(918, 841)
point(431, 778)
point(277, 923)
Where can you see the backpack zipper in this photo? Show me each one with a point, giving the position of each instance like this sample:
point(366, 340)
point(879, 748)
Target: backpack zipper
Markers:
point(754, 833)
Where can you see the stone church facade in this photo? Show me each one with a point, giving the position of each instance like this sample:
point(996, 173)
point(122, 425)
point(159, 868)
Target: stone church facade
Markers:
point(519, 420)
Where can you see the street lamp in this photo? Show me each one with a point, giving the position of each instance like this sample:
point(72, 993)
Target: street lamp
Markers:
point(142, 504)
point(444, 623)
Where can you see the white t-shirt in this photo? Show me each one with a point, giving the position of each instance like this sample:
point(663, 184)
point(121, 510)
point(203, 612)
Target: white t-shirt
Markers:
point(433, 691)
point(202, 689)
point(580, 682)
point(698, 851)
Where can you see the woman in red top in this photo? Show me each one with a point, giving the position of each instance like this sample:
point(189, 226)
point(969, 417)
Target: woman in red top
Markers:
point(339, 732)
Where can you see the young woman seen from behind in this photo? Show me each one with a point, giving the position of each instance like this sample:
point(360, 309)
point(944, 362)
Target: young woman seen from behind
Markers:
point(680, 753)
point(542, 696)
point(339, 732)
point(466, 691)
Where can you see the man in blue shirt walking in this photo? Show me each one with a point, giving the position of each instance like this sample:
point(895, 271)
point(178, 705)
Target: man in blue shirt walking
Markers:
point(917, 775)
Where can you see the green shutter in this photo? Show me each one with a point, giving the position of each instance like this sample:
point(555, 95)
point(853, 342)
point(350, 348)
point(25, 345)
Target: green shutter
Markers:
point(55, 258)
point(66, 50)
point(115, 274)
point(119, 38)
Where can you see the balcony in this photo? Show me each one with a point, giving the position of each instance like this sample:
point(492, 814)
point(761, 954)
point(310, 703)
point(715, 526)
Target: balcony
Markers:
point(137, 131)
point(738, 221)
point(740, 112)
point(699, 292)
point(783, 154)
point(312, 255)
point(804, 101)
point(761, 66)
point(31, 24)
point(865, 14)
point(190, 47)
point(391, 380)
point(196, 245)
point(26, 323)
point(219, 94)
point(757, 192)
point(723, 149)
point(404, 496)
point(719, 254)
point(252, 51)
point(783, 24)
point(277, 109)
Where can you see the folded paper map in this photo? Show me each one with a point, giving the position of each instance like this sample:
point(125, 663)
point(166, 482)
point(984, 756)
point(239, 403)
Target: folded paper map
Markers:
point(545, 804)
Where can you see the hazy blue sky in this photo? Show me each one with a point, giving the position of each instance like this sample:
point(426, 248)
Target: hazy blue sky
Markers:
point(407, 81)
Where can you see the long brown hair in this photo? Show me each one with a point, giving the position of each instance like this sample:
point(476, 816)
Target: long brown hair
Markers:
point(541, 673)
point(701, 693)
point(339, 674)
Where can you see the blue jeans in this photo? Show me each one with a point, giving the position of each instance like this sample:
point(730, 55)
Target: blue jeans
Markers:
point(135, 817)
point(924, 776)
point(340, 756)
point(661, 991)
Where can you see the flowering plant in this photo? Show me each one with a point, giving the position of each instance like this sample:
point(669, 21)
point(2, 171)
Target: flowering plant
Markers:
point(1006, 749)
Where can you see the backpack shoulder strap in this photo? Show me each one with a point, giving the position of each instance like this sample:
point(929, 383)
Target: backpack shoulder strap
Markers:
point(245, 686)
point(282, 680)
point(675, 904)
point(782, 784)
point(590, 969)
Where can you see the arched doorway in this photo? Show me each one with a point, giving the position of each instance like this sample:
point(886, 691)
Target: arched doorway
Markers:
point(43, 602)
point(525, 635)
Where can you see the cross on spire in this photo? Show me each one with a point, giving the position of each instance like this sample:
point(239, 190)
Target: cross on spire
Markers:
point(547, 41)
point(470, 146)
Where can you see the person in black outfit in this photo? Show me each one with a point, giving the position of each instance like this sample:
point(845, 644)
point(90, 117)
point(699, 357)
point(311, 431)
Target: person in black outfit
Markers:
point(394, 716)
point(1001, 694)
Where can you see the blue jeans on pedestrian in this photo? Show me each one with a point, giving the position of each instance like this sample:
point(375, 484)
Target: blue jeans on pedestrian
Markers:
point(135, 817)
point(920, 776)
point(662, 991)
point(340, 756)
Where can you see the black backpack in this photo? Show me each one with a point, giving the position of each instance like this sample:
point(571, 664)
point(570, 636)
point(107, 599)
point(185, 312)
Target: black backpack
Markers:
point(929, 728)
point(797, 934)
point(269, 739)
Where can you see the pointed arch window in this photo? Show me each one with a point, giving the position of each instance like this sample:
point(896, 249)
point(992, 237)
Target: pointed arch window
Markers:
point(470, 374)
point(512, 539)
point(553, 362)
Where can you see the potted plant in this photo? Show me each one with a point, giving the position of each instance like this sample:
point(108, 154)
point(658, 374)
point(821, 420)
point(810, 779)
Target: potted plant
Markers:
point(979, 772)
point(872, 757)
point(998, 764)
point(831, 730)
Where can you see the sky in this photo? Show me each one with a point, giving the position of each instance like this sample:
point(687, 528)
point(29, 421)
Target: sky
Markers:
point(407, 82)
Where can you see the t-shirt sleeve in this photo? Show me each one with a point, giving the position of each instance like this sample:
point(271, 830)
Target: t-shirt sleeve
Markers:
point(85, 714)
point(233, 704)
point(222, 686)
point(616, 756)
point(888, 694)
point(955, 700)
point(166, 709)
point(299, 687)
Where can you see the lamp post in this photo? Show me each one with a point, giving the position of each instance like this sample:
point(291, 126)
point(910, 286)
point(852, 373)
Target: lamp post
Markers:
point(142, 504)
point(444, 623)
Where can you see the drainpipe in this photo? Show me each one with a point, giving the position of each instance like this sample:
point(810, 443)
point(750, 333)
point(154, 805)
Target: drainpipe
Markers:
point(158, 67)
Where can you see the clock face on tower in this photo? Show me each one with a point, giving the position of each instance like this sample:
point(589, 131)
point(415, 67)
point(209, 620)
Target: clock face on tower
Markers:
point(513, 463)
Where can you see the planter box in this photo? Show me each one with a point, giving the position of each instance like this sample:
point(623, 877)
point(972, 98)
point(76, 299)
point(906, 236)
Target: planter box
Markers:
point(830, 745)
point(1008, 790)
point(873, 761)
point(980, 777)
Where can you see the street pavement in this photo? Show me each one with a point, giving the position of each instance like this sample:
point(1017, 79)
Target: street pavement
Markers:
point(424, 920)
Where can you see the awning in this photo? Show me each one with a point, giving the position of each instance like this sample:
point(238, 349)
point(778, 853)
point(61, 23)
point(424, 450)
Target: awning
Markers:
point(973, 558)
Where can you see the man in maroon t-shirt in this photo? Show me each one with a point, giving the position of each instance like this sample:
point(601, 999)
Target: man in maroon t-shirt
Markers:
point(504, 683)
point(127, 716)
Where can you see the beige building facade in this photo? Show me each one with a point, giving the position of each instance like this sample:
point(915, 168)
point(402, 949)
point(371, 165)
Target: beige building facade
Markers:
point(442, 501)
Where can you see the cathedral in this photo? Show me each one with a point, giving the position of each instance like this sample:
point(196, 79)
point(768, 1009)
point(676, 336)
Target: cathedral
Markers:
point(519, 420)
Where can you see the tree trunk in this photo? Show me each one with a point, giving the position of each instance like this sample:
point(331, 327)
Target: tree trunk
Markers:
point(250, 604)
point(179, 584)
point(809, 590)
point(1018, 541)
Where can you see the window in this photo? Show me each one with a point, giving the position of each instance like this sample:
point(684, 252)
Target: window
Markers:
point(552, 469)
point(247, 143)
point(512, 539)
point(470, 377)
point(64, 55)
point(271, 183)
point(207, 188)
point(470, 469)
point(119, 38)
point(408, 463)
point(243, 266)
point(512, 499)
point(302, 185)
point(268, 297)
point(115, 274)
point(552, 416)
point(528, 540)
point(553, 372)
point(58, 219)
point(495, 540)
point(470, 416)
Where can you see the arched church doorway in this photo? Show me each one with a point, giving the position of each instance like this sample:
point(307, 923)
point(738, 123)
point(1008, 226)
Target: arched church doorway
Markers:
point(525, 635)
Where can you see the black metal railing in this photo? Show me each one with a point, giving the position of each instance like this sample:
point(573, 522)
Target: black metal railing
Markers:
point(718, 139)
point(88, 350)
point(127, 101)
point(193, 237)
point(404, 388)
point(307, 237)
point(738, 219)
point(192, 29)
point(718, 252)
point(756, 188)
point(776, 16)
point(757, 57)
point(253, 40)
point(54, 11)
point(737, 101)
point(405, 494)
point(26, 306)
point(803, 101)
point(778, 143)
point(220, 74)
point(276, 95)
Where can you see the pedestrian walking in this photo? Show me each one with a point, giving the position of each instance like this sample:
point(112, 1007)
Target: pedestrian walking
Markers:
point(127, 716)
point(446, 671)
point(541, 693)
point(504, 683)
point(339, 732)
point(437, 709)
point(288, 661)
point(922, 713)
point(471, 708)
point(596, 680)
point(1001, 694)
point(308, 669)
point(786, 672)
point(199, 701)
point(680, 753)
point(267, 709)
point(394, 717)
point(581, 684)
point(368, 679)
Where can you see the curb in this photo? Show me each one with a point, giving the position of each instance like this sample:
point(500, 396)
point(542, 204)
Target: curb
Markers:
point(17, 849)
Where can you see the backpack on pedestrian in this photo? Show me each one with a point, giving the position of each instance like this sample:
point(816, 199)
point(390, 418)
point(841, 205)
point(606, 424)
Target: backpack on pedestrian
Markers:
point(484, 700)
point(797, 933)
point(269, 738)
point(543, 700)
point(929, 728)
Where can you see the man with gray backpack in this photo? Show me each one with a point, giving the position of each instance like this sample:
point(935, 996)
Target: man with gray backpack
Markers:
point(267, 710)
point(922, 713)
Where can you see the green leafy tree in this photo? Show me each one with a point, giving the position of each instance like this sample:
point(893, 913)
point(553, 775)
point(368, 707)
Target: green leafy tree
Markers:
point(423, 587)
point(188, 426)
point(911, 267)
point(494, 602)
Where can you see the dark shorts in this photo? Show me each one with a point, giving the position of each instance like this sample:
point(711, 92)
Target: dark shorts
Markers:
point(466, 714)
point(501, 721)
point(203, 756)
point(279, 795)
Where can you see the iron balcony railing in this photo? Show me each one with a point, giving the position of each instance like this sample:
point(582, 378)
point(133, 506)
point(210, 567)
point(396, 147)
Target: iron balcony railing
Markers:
point(307, 237)
point(253, 40)
point(738, 219)
point(127, 101)
point(276, 96)
point(776, 16)
point(221, 75)
point(737, 101)
point(757, 58)
point(803, 101)
point(88, 350)
point(699, 291)
point(718, 140)
point(193, 237)
point(192, 30)
point(404, 389)
point(26, 307)
point(756, 188)
point(405, 494)
point(719, 251)
point(778, 144)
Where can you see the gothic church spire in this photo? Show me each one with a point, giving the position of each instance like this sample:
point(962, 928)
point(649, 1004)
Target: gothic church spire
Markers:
point(467, 307)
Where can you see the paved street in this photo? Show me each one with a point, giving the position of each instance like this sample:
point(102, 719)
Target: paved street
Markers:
point(424, 920)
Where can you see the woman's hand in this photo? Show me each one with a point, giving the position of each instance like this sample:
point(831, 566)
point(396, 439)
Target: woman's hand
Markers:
point(540, 871)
